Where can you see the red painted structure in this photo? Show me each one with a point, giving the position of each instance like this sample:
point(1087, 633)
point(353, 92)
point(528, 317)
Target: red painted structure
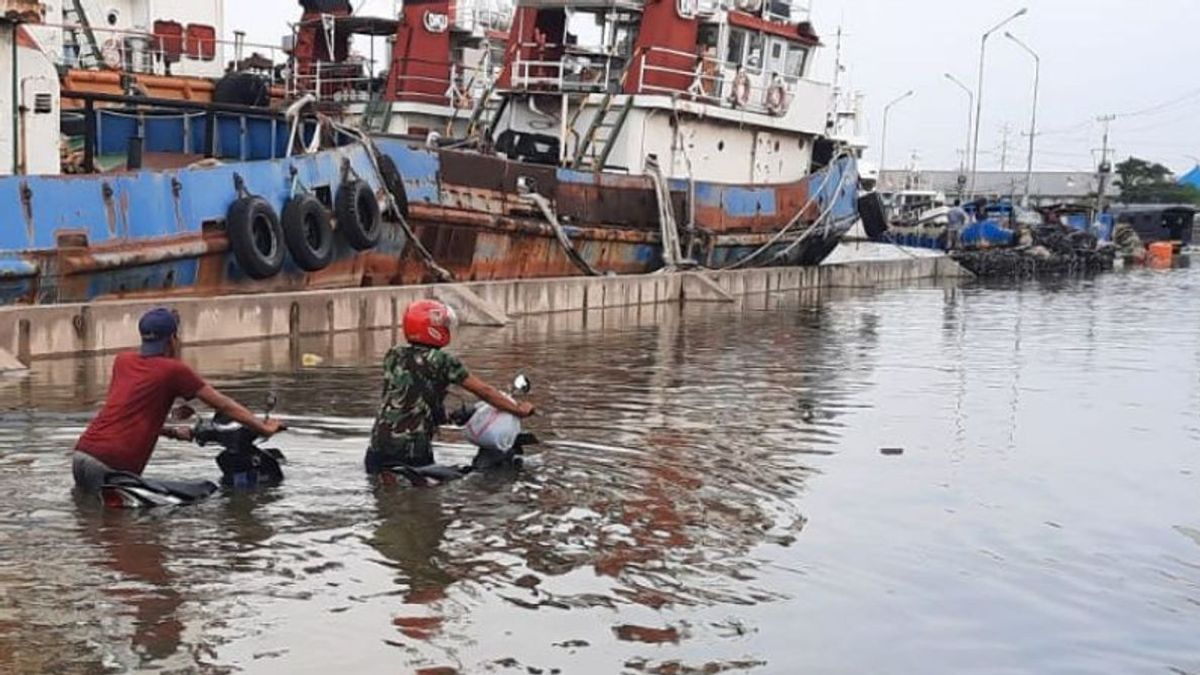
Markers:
point(421, 58)
point(663, 33)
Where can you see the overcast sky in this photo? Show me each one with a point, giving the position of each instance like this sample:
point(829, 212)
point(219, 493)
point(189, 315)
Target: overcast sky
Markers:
point(1138, 59)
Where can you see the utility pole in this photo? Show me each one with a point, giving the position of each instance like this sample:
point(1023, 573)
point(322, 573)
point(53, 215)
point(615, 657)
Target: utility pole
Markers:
point(1105, 165)
point(1005, 132)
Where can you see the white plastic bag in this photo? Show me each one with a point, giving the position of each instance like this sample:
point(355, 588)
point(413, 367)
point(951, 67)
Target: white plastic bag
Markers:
point(492, 429)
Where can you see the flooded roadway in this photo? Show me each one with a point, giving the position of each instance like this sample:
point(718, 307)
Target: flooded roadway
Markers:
point(712, 497)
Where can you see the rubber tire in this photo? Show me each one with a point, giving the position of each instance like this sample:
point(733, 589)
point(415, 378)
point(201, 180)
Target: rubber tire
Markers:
point(305, 219)
point(394, 180)
point(242, 89)
point(358, 216)
point(250, 224)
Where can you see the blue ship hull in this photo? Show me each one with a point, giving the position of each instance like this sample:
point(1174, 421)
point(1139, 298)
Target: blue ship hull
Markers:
point(161, 232)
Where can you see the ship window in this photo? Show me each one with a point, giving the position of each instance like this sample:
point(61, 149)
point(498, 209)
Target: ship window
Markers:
point(169, 35)
point(737, 46)
point(796, 60)
point(201, 42)
point(754, 52)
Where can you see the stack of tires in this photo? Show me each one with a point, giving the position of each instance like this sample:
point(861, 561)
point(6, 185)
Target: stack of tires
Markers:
point(261, 239)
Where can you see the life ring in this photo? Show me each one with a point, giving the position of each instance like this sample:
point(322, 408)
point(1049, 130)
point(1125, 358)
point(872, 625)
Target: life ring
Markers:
point(256, 237)
point(776, 98)
point(308, 232)
point(112, 54)
point(358, 216)
point(741, 89)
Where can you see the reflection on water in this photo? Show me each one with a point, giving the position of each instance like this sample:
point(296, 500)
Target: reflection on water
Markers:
point(710, 497)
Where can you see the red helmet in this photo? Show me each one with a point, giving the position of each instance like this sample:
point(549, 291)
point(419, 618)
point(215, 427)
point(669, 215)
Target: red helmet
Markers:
point(429, 322)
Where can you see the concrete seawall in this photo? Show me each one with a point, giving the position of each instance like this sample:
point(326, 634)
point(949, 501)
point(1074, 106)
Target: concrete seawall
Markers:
point(47, 331)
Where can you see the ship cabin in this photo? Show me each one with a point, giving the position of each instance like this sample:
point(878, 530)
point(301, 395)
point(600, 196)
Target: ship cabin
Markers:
point(440, 59)
point(714, 90)
point(156, 48)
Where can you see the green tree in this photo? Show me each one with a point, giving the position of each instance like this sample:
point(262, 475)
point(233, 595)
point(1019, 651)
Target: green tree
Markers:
point(1144, 182)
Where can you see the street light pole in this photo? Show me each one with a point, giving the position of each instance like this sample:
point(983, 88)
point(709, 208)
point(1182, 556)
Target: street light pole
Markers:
point(970, 122)
point(979, 91)
point(887, 109)
point(1037, 79)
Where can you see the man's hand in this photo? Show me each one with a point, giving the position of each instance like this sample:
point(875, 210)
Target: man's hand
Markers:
point(272, 427)
point(178, 433)
point(525, 409)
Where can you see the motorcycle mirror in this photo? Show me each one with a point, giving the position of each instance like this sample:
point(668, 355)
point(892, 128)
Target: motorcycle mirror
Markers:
point(272, 401)
point(521, 384)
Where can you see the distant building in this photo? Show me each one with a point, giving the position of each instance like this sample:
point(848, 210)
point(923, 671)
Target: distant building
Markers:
point(1049, 187)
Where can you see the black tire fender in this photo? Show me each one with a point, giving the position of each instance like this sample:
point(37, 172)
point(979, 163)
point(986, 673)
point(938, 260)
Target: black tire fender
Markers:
point(308, 232)
point(394, 181)
point(358, 216)
point(256, 237)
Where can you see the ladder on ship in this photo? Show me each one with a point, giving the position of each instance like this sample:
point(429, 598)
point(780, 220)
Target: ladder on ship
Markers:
point(75, 16)
point(598, 140)
point(378, 114)
point(487, 110)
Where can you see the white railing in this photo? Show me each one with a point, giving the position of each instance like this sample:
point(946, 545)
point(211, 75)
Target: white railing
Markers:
point(328, 81)
point(720, 83)
point(146, 53)
point(573, 72)
point(480, 19)
point(798, 10)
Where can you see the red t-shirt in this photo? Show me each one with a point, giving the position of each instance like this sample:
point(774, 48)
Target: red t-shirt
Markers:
point(139, 399)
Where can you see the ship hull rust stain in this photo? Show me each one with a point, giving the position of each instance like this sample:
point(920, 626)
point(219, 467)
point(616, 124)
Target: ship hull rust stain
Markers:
point(468, 210)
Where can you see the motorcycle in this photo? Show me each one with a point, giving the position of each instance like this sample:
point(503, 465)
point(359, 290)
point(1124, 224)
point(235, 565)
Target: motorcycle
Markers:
point(244, 466)
point(497, 436)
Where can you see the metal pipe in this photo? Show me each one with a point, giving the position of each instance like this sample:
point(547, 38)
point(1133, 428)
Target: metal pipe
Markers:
point(1037, 78)
point(979, 93)
point(16, 103)
point(970, 123)
point(887, 109)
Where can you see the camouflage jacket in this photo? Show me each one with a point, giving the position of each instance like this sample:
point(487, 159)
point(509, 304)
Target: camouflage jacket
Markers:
point(415, 379)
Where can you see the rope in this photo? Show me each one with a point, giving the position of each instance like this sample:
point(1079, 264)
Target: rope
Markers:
point(563, 240)
point(795, 219)
point(668, 229)
point(426, 257)
point(822, 217)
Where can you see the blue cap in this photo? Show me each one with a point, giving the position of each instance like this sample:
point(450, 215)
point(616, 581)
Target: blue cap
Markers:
point(157, 327)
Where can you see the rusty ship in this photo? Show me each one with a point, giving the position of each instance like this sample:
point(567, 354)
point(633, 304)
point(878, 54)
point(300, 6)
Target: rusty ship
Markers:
point(148, 157)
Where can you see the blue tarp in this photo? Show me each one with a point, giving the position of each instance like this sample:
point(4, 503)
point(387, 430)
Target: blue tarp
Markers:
point(1191, 178)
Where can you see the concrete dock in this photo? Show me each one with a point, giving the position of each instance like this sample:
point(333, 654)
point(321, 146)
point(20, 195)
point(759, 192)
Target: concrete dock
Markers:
point(48, 331)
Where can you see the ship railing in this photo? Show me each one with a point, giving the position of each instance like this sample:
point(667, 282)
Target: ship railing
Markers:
point(479, 20)
point(144, 53)
point(778, 11)
point(344, 82)
point(330, 81)
point(715, 82)
point(575, 70)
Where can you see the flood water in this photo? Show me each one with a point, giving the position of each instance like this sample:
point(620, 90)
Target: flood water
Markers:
point(712, 496)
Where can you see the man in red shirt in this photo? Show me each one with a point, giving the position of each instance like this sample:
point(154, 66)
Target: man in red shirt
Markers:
point(144, 386)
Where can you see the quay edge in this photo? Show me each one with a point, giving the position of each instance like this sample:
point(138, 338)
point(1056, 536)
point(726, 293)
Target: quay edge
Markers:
point(48, 331)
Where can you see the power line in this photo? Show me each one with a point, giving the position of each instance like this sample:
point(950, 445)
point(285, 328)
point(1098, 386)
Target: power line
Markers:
point(1163, 106)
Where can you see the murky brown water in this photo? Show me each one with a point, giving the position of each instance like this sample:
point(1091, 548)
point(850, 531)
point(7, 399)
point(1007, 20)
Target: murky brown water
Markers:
point(712, 497)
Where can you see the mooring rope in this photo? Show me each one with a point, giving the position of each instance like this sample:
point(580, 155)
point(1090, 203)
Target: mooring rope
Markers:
point(561, 234)
point(795, 219)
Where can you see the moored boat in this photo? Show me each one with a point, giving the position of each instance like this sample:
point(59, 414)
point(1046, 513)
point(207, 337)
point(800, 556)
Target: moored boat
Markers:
point(696, 140)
